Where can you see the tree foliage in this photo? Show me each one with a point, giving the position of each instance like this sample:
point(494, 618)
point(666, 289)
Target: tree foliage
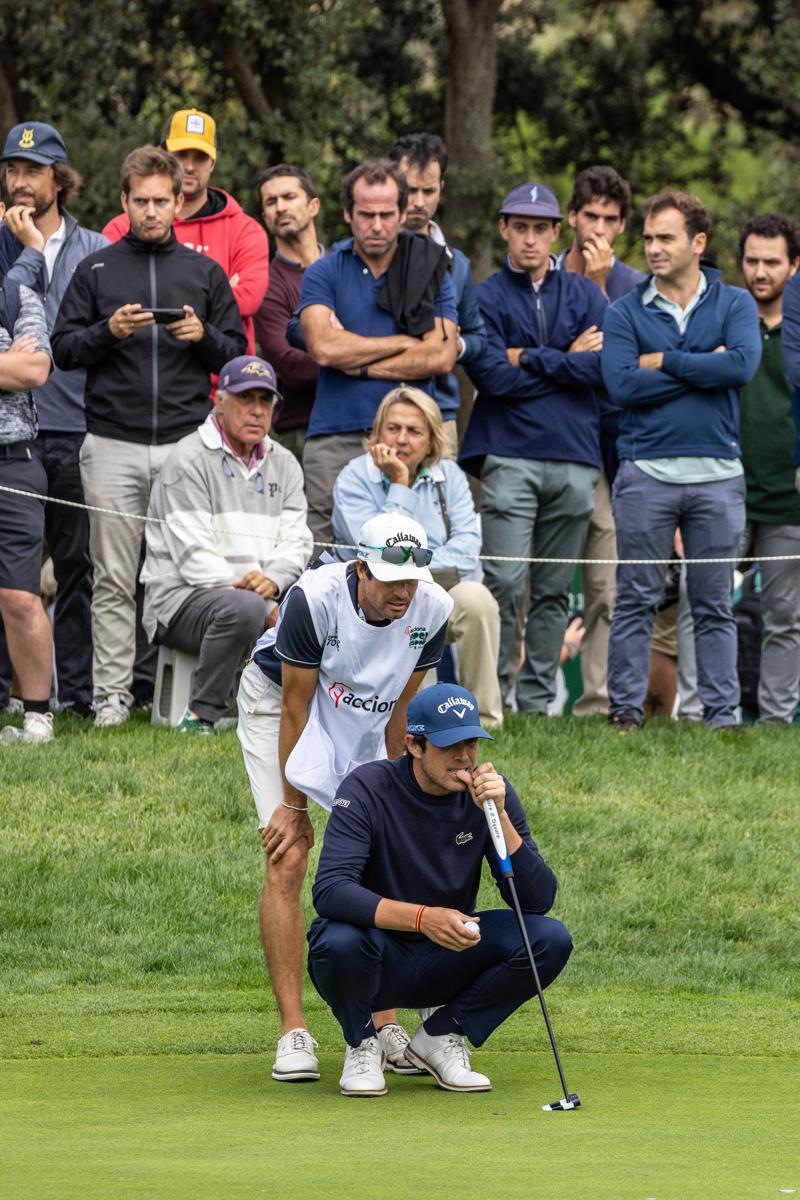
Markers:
point(682, 92)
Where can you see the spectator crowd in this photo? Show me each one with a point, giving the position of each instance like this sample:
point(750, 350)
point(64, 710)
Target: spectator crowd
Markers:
point(195, 406)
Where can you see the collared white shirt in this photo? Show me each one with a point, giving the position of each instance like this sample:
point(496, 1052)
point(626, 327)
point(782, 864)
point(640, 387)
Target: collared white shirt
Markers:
point(52, 247)
point(652, 295)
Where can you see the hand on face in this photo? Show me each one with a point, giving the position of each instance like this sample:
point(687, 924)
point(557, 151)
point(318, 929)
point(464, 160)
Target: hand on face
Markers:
point(599, 258)
point(484, 783)
point(19, 220)
point(393, 468)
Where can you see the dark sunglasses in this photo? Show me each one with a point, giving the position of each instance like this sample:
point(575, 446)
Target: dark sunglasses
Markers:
point(399, 555)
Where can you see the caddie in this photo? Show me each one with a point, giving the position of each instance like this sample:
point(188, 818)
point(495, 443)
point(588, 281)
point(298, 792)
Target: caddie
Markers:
point(327, 690)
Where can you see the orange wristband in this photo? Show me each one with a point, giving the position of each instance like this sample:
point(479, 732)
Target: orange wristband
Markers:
point(418, 919)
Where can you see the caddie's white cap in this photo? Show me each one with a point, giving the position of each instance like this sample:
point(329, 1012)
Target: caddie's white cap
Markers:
point(387, 531)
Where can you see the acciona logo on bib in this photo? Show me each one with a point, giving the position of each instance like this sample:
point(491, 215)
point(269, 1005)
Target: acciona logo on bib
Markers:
point(342, 693)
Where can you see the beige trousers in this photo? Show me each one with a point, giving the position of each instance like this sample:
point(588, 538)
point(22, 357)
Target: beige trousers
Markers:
point(118, 475)
point(450, 429)
point(599, 594)
point(474, 628)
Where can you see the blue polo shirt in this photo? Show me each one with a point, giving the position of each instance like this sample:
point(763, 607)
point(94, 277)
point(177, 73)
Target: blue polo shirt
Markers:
point(342, 282)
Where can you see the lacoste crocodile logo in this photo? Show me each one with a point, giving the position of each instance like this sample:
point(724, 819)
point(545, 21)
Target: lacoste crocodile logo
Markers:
point(462, 838)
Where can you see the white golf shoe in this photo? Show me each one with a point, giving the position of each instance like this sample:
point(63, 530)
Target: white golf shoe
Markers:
point(295, 1060)
point(446, 1057)
point(393, 1040)
point(36, 729)
point(110, 712)
point(362, 1074)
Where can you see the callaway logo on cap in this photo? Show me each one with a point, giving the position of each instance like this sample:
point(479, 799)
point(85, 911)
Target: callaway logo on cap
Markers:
point(445, 715)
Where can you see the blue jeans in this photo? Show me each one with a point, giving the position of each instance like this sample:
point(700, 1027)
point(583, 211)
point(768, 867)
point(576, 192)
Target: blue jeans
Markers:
point(360, 971)
point(711, 518)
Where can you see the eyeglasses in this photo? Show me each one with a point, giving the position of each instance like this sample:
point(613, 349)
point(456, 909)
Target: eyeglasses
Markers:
point(399, 555)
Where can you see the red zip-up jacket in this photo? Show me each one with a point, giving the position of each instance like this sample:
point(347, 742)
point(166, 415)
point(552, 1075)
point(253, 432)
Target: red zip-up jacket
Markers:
point(234, 240)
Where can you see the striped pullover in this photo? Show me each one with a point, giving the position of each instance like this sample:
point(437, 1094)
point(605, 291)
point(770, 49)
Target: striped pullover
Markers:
point(223, 519)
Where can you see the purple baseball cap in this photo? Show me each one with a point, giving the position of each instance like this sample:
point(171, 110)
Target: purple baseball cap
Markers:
point(246, 372)
point(531, 200)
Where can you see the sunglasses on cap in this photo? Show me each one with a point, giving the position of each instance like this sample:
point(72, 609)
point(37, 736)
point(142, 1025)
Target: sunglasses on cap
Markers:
point(399, 555)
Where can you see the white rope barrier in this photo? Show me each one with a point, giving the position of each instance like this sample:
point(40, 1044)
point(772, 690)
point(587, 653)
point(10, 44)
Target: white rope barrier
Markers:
point(578, 562)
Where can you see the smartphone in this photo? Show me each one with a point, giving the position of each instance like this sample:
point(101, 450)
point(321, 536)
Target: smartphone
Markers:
point(165, 316)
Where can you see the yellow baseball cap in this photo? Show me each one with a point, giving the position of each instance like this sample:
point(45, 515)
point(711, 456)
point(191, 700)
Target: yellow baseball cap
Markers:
point(191, 129)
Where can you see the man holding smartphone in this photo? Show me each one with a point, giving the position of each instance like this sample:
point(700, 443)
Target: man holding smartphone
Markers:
point(151, 321)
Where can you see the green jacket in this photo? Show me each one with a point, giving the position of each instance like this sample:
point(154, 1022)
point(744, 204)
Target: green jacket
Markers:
point(767, 437)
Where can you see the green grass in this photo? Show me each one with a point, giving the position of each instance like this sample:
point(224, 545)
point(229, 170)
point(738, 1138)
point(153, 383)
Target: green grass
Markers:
point(136, 1031)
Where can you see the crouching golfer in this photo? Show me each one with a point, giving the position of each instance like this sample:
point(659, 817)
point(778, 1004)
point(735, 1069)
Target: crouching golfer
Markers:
point(397, 883)
point(327, 690)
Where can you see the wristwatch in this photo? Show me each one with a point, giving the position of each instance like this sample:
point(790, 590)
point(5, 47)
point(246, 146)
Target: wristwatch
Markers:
point(524, 360)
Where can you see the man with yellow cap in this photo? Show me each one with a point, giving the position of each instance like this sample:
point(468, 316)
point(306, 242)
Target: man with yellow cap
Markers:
point(211, 221)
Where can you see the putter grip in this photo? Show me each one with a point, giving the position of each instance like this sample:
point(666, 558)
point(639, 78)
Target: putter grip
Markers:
point(495, 829)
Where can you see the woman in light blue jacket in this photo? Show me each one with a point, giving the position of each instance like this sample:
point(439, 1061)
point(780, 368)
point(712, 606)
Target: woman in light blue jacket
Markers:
point(403, 471)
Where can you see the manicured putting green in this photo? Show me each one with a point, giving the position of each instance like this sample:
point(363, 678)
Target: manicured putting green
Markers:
point(674, 1127)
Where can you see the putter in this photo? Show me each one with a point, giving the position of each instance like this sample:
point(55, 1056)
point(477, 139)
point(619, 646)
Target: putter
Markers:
point(570, 1099)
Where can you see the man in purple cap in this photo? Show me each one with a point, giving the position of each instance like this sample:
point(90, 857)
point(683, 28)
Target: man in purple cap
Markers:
point(533, 436)
point(397, 889)
point(230, 537)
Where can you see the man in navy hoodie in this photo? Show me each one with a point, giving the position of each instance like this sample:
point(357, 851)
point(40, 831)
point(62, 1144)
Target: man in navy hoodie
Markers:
point(533, 437)
point(677, 351)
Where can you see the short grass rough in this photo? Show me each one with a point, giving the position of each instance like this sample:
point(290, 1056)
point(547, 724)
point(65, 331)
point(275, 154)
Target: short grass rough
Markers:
point(136, 1031)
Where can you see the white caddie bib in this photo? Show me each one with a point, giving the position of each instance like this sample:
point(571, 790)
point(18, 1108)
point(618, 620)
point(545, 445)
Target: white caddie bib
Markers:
point(362, 674)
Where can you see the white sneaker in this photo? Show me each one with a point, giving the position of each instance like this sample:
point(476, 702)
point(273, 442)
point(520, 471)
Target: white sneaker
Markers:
point(447, 1059)
point(37, 727)
point(393, 1040)
point(295, 1060)
point(111, 711)
point(362, 1074)
point(15, 707)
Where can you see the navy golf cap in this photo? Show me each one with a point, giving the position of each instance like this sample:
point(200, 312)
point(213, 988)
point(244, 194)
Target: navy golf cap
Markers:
point(36, 141)
point(248, 371)
point(445, 714)
point(531, 200)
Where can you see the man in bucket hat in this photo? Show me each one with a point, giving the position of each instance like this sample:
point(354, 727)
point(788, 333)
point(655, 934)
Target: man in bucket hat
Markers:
point(533, 437)
point(327, 690)
point(213, 582)
point(396, 891)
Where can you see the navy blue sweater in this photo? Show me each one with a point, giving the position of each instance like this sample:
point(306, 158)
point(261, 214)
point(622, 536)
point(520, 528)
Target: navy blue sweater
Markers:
point(548, 410)
point(387, 839)
point(691, 406)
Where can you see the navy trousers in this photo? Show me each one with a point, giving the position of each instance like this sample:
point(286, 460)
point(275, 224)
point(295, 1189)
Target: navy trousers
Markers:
point(361, 971)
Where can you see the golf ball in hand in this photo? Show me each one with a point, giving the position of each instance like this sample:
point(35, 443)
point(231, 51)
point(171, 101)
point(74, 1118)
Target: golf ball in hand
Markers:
point(472, 926)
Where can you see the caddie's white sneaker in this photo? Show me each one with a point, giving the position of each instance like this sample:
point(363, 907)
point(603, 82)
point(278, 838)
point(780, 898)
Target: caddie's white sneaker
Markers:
point(393, 1040)
point(295, 1060)
point(37, 727)
point(447, 1059)
point(111, 711)
point(362, 1074)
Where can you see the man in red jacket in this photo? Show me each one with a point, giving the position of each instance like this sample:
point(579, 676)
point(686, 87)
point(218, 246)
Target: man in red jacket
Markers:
point(211, 221)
